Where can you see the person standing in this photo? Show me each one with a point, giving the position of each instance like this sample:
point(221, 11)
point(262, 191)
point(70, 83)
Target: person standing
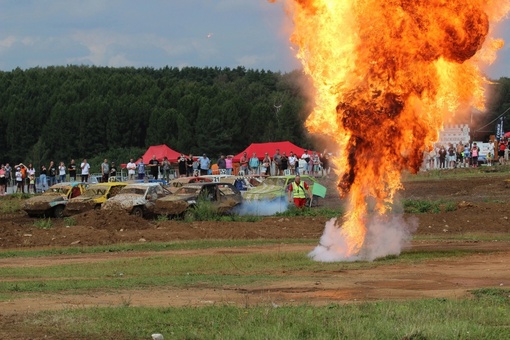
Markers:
point(72, 171)
point(183, 165)
point(205, 164)
point(62, 172)
point(2, 180)
point(306, 157)
point(85, 170)
point(298, 190)
point(131, 168)
point(43, 179)
point(293, 164)
point(52, 173)
point(189, 166)
point(165, 165)
point(141, 169)
point(277, 160)
point(8, 176)
point(222, 164)
point(442, 157)
point(254, 164)
point(105, 171)
point(266, 165)
point(244, 163)
point(113, 172)
point(154, 165)
point(19, 180)
point(229, 165)
point(475, 152)
point(284, 163)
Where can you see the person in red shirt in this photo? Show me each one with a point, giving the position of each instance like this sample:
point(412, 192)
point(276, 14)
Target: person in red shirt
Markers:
point(298, 190)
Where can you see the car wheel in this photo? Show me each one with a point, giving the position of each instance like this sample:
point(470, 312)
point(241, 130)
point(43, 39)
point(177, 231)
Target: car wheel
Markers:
point(137, 211)
point(58, 211)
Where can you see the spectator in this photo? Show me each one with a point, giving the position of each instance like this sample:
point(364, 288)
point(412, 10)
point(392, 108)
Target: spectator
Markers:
point(244, 163)
point(222, 164)
point(30, 172)
point(189, 166)
point(475, 152)
point(501, 153)
point(229, 164)
point(8, 175)
point(141, 169)
point(19, 180)
point(205, 164)
point(182, 164)
point(442, 157)
point(72, 171)
point(165, 165)
point(306, 157)
point(52, 173)
point(105, 171)
point(284, 161)
point(154, 165)
point(467, 156)
point(2, 180)
point(266, 165)
point(62, 172)
point(451, 156)
point(85, 170)
point(24, 177)
point(293, 163)
point(254, 164)
point(316, 162)
point(277, 160)
point(113, 172)
point(43, 180)
point(131, 168)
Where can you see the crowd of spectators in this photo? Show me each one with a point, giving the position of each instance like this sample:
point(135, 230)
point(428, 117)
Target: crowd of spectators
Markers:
point(23, 178)
point(465, 155)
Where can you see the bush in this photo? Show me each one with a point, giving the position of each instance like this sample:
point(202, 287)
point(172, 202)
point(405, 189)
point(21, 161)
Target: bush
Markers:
point(43, 223)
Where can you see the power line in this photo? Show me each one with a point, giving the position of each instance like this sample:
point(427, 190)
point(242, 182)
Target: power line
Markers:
point(501, 115)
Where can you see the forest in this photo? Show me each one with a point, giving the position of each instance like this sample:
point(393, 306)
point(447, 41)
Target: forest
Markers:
point(66, 112)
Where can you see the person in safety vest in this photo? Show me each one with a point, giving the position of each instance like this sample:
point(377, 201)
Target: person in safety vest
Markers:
point(298, 189)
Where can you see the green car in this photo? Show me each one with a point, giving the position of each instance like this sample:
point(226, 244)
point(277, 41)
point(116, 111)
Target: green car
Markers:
point(275, 188)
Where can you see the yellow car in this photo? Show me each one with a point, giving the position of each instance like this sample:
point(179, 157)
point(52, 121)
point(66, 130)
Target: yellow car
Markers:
point(53, 201)
point(93, 197)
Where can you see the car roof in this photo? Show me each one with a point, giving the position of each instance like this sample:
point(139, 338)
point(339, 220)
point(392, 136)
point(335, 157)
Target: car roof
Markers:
point(110, 184)
point(142, 185)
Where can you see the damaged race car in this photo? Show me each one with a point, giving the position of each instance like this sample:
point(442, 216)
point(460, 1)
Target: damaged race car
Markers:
point(93, 197)
point(137, 198)
point(222, 196)
point(53, 201)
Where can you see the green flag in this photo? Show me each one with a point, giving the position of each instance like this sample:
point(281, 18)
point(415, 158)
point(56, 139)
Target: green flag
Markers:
point(319, 190)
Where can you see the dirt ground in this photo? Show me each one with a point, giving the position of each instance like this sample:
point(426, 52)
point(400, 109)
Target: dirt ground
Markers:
point(482, 207)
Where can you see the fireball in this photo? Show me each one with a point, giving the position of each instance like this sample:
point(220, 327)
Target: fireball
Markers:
point(386, 74)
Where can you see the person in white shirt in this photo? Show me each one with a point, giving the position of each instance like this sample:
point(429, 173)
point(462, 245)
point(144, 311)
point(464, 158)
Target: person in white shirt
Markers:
point(131, 167)
point(85, 168)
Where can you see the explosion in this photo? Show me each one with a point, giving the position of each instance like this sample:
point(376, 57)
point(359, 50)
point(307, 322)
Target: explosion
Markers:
point(386, 73)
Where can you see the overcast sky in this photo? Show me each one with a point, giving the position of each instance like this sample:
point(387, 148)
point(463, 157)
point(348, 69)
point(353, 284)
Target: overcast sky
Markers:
point(156, 33)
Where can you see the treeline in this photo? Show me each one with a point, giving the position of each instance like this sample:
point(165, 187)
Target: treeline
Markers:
point(79, 112)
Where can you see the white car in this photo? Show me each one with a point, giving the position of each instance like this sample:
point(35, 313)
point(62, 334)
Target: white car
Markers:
point(137, 199)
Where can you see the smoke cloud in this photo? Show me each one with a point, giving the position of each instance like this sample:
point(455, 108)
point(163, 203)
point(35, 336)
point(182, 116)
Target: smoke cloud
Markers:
point(385, 236)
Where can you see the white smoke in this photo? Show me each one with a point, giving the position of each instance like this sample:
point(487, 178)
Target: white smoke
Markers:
point(386, 235)
point(262, 207)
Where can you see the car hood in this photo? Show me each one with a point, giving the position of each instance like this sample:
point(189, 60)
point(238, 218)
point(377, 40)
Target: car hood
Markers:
point(124, 201)
point(264, 192)
point(44, 200)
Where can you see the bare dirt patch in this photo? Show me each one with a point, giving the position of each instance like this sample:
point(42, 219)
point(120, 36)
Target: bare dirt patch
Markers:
point(482, 207)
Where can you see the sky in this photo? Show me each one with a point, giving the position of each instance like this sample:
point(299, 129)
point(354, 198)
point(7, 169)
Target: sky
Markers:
point(158, 33)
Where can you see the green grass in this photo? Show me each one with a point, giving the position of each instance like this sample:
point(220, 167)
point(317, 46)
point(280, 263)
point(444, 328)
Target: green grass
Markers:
point(428, 206)
point(211, 270)
point(43, 223)
point(479, 318)
point(312, 212)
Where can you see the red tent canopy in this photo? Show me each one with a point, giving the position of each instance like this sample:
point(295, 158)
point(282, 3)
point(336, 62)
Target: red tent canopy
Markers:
point(261, 148)
point(160, 151)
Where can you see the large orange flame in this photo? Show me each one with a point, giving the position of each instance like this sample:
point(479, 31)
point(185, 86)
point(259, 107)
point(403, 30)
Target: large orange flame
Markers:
point(386, 73)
